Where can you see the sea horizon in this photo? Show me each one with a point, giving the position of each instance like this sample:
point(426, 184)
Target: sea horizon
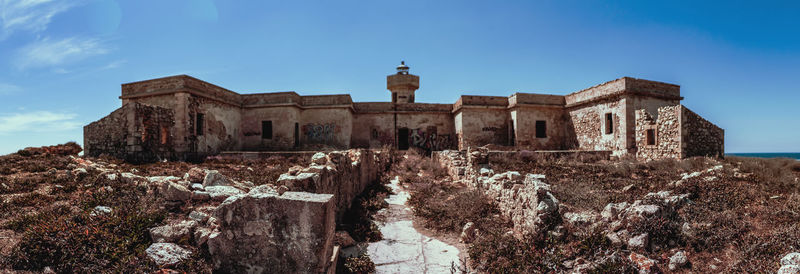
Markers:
point(793, 155)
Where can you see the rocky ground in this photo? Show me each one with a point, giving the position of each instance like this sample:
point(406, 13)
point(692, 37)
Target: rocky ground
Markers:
point(694, 215)
point(60, 212)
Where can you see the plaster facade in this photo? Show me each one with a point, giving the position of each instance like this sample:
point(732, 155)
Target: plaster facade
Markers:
point(205, 119)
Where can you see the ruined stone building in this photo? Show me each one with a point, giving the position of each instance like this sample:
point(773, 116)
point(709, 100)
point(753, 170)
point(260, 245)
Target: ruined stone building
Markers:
point(181, 117)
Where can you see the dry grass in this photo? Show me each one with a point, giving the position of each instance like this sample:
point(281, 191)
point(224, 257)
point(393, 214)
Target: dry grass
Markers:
point(744, 215)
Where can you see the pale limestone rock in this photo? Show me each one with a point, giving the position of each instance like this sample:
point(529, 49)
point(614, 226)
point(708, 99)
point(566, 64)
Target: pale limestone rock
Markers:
point(678, 260)
point(214, 178)
point(173, 232)
point(167, 254)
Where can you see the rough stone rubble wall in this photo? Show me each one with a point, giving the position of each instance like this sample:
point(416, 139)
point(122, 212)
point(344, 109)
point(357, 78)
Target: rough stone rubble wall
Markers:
point(526, 201)
point(268, 231)
point(700, 137)
point(667, 128)
point(345, 174)
point(135, 132)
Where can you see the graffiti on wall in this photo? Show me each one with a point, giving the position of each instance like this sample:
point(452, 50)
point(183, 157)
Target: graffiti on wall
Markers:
point(429, 141)
point(320, 133)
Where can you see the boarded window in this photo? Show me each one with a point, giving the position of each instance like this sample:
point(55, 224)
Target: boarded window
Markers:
point(164, 135)
point(266, 129)
point(650, 137)
point(199, 124)
point(541, 129)
point(609, 123)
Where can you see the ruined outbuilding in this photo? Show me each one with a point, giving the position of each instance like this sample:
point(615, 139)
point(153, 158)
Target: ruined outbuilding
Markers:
point(181, 117)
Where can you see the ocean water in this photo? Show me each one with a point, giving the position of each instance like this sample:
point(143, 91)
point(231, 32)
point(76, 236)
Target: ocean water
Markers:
point(794, 155)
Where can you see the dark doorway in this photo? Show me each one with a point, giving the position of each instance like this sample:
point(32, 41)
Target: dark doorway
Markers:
point(296, 135)
point(513, 139)
point(402, 139)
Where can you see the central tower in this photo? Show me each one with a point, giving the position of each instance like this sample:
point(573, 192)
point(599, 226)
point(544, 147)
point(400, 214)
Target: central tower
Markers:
point(402, 85)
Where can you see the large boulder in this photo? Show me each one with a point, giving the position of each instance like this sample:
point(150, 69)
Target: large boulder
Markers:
point(269, 233)
point(167, 254)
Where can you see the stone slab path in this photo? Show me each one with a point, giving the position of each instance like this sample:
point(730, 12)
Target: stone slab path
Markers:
point(403, 248)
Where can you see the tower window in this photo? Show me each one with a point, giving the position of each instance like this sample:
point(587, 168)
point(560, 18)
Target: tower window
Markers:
point(650, 138)
point(541, 129)
point(266, 129)
point(199, 124)
point(609, 123)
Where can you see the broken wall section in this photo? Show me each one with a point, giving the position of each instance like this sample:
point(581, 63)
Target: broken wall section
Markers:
point(272, 230)
point(699, 136)
point(134, 132)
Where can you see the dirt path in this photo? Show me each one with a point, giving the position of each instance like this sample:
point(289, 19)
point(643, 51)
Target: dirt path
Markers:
point(405, 249)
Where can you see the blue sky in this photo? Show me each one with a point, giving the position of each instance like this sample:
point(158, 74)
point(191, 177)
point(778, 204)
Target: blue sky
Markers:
point(62, 62)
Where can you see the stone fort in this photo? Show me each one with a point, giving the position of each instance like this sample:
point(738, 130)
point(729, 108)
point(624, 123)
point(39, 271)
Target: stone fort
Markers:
point(181, 117)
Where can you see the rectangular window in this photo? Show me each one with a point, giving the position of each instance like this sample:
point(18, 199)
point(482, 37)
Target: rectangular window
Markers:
point(609, 123)
point(541, 129)
point(199, 124)
point(266, 129)
point(650, 139)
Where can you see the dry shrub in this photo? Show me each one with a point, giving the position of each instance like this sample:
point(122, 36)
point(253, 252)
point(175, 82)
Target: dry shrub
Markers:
point(361, 265)
point(449, 208)
point(357, 221)
point(774, 173)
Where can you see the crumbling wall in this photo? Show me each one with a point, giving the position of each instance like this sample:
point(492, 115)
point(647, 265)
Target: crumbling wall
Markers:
point(699, 136)
point(135, 132)
point(525, 200)
point(107, 135)
point(272, 230)
point(220, 129)
point(667, 129)
point(345, 174)
point(267, 232)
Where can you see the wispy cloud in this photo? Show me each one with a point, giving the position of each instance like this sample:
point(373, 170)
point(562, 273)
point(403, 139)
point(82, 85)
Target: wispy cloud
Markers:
point(37, 121)
point(6, 89)
point(30, 15)
point(48, 53)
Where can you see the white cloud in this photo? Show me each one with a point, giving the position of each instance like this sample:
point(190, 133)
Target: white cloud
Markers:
point(6, 89)
point(46, 52)
point(30, 15)
point(37, 121)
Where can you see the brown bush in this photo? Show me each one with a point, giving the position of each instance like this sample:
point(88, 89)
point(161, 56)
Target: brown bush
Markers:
point(449, 208)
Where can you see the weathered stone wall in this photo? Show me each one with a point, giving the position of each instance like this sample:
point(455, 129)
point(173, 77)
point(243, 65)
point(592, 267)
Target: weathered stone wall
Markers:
point(331, 127)
point(482, 126)
point(107, 135)
point(264, 232)
point(667, 126)
point(524, 128)
point(221, 126)
point(699, 136)
point(588, 126)
point(345, 174)
point(526, 201)
point(268, 230)
point(284, 119)
point(134, 132)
